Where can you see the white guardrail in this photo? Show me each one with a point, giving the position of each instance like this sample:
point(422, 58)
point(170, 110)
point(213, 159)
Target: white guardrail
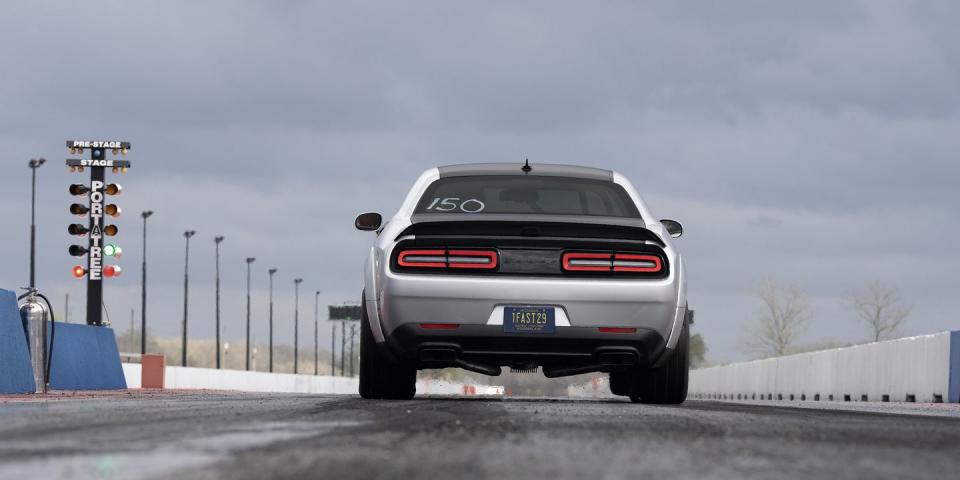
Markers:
point(244, 381)
point(925, 368)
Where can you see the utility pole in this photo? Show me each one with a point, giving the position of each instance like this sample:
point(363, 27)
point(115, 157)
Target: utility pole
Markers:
point(133, 338)
point(333, 351)
point(186, 282)
point(216, 242)
point(249, 261)
point(316, 344)
point(296, 319)
point(271, 272)
point(34, 164)
point(143, 285)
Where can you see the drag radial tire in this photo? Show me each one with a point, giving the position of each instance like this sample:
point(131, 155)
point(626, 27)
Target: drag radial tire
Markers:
point(620, 383)
point(380, 377)
point(668, 384)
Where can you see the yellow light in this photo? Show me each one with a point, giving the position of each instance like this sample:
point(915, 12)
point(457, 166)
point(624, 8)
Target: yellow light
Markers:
point(115, 151)
point(124, 151)
point(73, 151)
point(115, 169)
point(123, 170)
point(80, 169)
point(73, 169)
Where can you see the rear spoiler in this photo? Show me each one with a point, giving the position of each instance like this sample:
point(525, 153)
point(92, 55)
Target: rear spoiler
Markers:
point(580, 227)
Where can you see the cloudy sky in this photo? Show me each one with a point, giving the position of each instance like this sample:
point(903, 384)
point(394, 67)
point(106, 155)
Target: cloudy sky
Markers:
point(810, 143)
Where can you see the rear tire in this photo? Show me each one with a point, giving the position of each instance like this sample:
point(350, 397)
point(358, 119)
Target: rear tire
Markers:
point(381, 377)
point(666, 385)
point(620, 383)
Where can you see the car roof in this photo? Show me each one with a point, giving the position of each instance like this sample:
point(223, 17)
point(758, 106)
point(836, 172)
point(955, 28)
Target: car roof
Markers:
point(537, 169)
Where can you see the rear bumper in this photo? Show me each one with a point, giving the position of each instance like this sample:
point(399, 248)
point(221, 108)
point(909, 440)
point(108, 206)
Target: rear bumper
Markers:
point(568, 347)
point(470, 300)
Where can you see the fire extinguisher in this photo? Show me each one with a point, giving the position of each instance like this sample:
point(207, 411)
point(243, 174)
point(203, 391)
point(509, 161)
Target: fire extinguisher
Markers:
point(34, 315)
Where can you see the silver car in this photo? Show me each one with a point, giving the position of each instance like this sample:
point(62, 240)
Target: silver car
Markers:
point(524, 266)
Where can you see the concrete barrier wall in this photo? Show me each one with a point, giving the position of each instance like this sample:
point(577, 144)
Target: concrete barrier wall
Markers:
point(922, 369)
point(240, 380)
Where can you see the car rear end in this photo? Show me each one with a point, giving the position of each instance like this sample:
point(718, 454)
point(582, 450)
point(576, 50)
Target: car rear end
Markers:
point(494, 266)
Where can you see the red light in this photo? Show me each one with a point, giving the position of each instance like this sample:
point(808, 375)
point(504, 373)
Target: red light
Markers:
point(478, 259)
point(79, 271)
point(617, 330)
point(422, 259)
point(587, 262)
point(111, 271)
point(439, 326)
point(625, 262)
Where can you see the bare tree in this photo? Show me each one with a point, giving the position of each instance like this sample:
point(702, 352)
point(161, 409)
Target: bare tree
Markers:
point(783, 318)
point(880, 306)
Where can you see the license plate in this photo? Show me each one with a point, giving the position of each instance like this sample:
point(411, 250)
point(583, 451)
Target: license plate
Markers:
point(529, 320)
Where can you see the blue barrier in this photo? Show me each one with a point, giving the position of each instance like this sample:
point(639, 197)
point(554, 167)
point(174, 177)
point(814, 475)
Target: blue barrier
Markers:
point(16, 374)
point(85, 358)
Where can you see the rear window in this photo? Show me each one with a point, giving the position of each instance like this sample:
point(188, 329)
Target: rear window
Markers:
point(527, 194)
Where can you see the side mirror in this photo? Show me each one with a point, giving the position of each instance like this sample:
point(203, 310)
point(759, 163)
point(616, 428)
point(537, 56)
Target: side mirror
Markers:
point(368, 221)
point(673, 227)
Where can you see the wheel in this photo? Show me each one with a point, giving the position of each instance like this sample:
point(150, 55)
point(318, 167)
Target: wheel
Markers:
point(620, 383)
point(666, 385)
point(381, 377)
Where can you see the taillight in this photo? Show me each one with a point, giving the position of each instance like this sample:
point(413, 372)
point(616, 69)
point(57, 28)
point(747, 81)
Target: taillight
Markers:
point(587, 262)
point(629, 262)
point(480, 259)
point(611, 262)
point(422, 258)
point(463, 259)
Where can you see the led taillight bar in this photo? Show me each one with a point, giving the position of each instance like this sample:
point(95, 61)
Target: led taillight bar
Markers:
point(587, 262)
point(423, 258)
point(611, 262)
point(629, 262)
point(478, 259)
point(452, 259)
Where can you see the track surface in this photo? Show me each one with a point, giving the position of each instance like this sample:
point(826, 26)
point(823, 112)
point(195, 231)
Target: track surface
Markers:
point(237, 436)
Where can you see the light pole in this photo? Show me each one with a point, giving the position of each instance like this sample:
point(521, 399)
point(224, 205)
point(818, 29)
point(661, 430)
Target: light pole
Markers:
point(333, 351)
point(271, 272)
point(143, 285)
point(186, 282)
point(296, 319)
point(316, 338)
point(249, 261)
point(216, 242)
point(226, 353)
point(34, 164)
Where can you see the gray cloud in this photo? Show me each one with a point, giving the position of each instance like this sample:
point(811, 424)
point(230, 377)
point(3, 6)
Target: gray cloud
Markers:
point(811, 143)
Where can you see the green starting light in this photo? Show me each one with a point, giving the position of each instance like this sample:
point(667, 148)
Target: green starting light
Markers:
point(112, 250)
